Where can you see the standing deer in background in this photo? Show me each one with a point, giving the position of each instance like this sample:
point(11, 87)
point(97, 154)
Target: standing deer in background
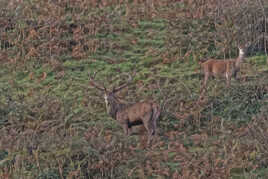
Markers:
point(225, 68)
point(128, 115)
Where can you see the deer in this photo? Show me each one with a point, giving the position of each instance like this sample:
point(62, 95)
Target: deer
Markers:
point(222, 68)
point(128, 115)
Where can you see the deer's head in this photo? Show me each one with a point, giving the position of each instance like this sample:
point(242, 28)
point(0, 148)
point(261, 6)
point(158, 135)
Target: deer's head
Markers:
point(241, 50)
point(243, 47)
point(110, 99)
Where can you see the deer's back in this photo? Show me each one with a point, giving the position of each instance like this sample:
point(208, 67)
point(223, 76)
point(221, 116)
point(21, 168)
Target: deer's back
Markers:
point(137, 110)
point(217, 67)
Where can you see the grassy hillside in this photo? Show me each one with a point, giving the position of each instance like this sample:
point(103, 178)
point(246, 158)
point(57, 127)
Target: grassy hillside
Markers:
point(53, 124)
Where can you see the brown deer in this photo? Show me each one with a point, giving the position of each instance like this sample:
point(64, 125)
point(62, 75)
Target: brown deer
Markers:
point(225, 68)
point(128, 115)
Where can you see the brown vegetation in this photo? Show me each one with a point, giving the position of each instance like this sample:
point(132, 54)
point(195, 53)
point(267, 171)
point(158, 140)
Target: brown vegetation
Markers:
point(53, 126)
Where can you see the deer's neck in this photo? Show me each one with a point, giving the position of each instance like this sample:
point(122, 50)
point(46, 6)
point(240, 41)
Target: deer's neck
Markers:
point(240, 58)
point(114, 106)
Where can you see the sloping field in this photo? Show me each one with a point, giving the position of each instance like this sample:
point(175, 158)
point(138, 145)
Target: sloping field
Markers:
point(53, 124)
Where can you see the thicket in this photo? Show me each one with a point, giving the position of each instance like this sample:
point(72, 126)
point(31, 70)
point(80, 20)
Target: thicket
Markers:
point(50, 31)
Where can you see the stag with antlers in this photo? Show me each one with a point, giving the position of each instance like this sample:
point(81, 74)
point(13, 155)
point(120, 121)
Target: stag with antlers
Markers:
point(141, 113)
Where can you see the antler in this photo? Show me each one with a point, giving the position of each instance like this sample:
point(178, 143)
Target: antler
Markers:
point(124, 85)
point(93, 83)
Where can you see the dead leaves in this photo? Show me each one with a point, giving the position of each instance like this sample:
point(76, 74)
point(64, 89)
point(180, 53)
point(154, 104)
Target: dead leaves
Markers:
point(199, 138)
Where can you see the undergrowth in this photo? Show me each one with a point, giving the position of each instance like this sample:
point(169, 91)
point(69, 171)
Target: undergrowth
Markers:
point(53, 124)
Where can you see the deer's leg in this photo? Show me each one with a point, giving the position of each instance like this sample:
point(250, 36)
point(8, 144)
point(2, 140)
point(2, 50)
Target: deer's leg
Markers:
point(155, 116)
point(203, 88)
point(205, 80)
point(235, 74)
point(148, 124)
point(228, 78)
point(228, 83)
point(154, 126)
point(125, 127)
